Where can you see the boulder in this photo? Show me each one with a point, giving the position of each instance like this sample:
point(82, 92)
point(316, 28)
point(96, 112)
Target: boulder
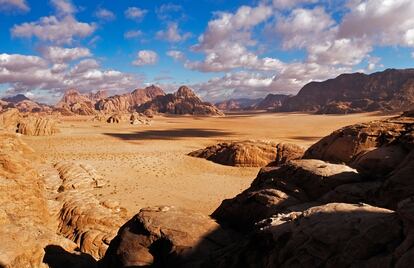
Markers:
point(250, 153)
point(166, 237)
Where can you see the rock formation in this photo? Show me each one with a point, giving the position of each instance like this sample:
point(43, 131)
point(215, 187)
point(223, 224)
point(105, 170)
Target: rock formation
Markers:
point(26, 225)
point(184, 101)
point(9, 119)
point(82, 218)
point(250, 153)
point(73, 102)
point(130, 101)
point(37, 126)
point(390, 90)
point(24, 104)
point(238, 104)
point(166, 237)
point(271, 102)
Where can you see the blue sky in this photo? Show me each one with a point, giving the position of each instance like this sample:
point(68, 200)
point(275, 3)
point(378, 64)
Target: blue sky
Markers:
point(223, 49)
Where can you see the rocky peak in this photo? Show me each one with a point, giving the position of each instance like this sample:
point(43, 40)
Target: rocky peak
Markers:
point(16, 99)
point(185, 92)
point(99, 95)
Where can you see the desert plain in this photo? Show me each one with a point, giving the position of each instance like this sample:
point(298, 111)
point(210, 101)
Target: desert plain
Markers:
point(148, 165)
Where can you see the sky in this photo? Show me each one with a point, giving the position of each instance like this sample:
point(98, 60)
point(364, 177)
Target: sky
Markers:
point(222, 49)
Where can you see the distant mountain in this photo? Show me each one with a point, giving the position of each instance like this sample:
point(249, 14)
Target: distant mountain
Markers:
point(15, 99)
point(237, 104)
point(73, 102)
point(129, 101)
point(184, 101)
point(390, 90)
point(271, 102)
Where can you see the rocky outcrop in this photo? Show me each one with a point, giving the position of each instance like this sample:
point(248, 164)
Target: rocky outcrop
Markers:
point(184, 101)
point(166, 237)
point(237, 104)
point(390, 90)
point(26, 225)
point(250, 153)
point(82, 218)
point(294, 186)
point(130, 101)
point(271, 102)
point(9, 119)
point(73, 102)
point(37, 126)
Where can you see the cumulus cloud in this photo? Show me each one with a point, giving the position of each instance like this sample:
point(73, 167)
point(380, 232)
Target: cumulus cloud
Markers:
point(145, 57)
point(135, 13)
point(27, 73)
point(166, 11)
point(382, 21)
point(61, 55)
point(53, 29)
point(14, 4)
point(105, 14)
point(64, 7)
point(176, 55)
point(226, 40)
point(285, 4)
point(173, 34)
point(132, 34)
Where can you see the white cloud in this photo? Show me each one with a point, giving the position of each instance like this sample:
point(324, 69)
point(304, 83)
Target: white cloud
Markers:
point(145, 57)
point(176, 55)
point(135, 13)
point(64, 7)
point(53, 29)
point(28, 73)
point(14, 4)
point(380, 22)
point(165, 11)
point(105, 14)
point(285, 4)
point(172, 34)
point(61, 55)
point(132, 34)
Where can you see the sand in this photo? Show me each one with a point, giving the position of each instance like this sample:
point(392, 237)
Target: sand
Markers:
point(147, 165)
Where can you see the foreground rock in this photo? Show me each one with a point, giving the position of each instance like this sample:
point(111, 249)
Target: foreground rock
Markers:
point(9, 119)
point(184, 101)
point(82, 218)
point(166, 237)
point(332, 235)
point(26, 225)
point(294, 186)
point(250, 153)
point(390, 90)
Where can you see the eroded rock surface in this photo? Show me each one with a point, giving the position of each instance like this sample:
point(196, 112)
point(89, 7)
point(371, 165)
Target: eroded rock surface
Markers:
point(250, 153)
point(166, 237)
point(82, 218)
point(26, 225)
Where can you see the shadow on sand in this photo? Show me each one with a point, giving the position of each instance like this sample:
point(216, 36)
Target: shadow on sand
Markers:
point(171, 134)
point(58, 257)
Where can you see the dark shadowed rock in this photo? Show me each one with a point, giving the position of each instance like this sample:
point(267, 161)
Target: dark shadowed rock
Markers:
point(275, 190)
point(166, 237)
point(237, 104)
point(271, 102)
point(250, 153)
point(349, 93)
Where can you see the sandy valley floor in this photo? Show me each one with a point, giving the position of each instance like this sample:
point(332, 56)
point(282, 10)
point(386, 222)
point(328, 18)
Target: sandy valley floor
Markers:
point(147, 165)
